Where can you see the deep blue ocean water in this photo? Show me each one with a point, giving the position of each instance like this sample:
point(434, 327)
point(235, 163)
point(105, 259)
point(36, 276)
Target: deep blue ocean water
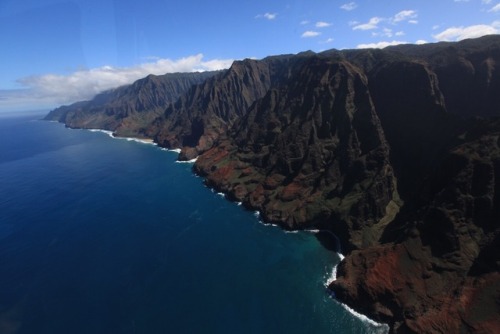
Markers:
point(102, 235)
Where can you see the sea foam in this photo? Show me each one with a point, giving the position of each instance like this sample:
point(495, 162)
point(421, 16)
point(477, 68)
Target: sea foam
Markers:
point(333, 275)
point(137, 140)
point(109, 133)
point(192, 161)
point(379, 327)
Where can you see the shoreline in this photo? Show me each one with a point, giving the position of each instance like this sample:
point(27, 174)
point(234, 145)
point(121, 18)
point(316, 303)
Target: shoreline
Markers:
point(332, 278)
point(379, 327)
point(384, 328)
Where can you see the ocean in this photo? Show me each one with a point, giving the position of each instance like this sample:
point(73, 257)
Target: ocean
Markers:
point(103, 235)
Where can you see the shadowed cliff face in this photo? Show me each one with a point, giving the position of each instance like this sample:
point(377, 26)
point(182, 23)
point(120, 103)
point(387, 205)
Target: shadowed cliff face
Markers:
point(311, 152)
point(445, 275)
point(469, 77)
point(385, 148)
point(199, 117)
point(438, 262)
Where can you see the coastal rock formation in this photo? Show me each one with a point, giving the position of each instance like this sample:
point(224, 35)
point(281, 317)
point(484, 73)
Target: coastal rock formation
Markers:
point(396, 151)
point(197, 119)
point(447, 269)
point(312, 150)
point(129, 109)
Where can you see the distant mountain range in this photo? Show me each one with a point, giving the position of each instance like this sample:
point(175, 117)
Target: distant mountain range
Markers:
point(396, 151)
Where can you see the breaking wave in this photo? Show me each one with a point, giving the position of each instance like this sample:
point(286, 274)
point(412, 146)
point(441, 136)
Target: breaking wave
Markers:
point(378, 328)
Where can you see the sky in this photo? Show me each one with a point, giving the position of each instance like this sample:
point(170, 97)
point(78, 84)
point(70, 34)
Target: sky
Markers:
point(55, 52)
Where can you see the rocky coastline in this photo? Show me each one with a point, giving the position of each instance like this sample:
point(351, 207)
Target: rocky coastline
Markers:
point(395, 151)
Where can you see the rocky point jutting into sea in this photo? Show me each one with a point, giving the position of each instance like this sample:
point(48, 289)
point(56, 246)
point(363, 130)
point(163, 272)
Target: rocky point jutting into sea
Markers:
point(395, 151)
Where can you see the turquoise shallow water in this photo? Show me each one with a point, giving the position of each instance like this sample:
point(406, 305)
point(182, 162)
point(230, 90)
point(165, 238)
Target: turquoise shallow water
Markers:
point(102, 235)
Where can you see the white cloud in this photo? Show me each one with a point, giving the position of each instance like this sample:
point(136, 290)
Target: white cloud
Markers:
point(486, 2)
point(459, 33)
point(322, 24)
point(386, 32)
point(404, 15)
point(304, 22)
point(349, 6)
point(400, 33)
point(379, 45)
point(436, 26)
point(310, 33)
point(268, 16)
point(53, 89)
point(421, 41)
point(371, 24)
point(495, 8)
point(327, 41)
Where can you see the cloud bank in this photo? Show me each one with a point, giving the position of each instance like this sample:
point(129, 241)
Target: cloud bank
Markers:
point(473, 31)
point(50, 89)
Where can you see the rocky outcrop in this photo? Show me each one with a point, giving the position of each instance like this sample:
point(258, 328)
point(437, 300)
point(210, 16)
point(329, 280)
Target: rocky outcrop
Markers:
point(128, 110)
point(396, 151)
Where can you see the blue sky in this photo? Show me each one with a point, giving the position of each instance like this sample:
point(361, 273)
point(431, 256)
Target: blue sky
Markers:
point(59, 51)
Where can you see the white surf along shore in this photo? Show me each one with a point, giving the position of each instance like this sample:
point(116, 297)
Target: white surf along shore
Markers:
point(378, 327)
point(143, 141)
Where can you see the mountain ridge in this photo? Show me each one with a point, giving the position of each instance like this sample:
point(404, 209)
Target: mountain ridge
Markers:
point(396, 151)
point(126, 110)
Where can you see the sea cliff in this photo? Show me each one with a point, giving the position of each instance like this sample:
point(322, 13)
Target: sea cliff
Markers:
point(396, 151)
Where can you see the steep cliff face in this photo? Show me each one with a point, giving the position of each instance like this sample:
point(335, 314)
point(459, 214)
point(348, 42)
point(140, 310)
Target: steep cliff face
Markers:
point(199, 117)
point(325, 149)
point(310, 152)
point(197, 120)
point(425, 275)
point(445, 274)
point(129, 109)
point(396, 151)
point(468, 73)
